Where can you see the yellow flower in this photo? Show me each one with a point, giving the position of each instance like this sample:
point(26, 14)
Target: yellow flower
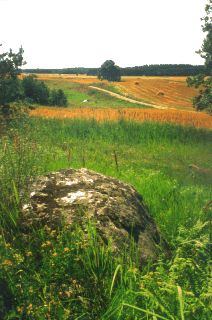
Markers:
point(47, 228)
point(46, 244)
point(133, 270)
point(7, 262)
point(20, 309)
point(55, 254)
point(66, 249)
point(29, 254)
point(18, 258)
point(29, 308)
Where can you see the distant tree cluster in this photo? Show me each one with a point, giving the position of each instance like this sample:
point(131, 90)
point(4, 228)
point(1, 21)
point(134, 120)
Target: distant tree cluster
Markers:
point(37, 92)
point(204, 79)
point(146, 70)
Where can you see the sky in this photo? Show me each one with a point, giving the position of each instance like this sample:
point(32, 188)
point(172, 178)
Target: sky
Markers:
point(85, 33)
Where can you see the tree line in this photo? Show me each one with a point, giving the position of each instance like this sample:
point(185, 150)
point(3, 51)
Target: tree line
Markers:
point(145, 70)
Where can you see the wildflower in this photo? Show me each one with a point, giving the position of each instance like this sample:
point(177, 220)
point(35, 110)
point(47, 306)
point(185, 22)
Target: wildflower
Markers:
point(46, 244)
point(68, 293)
point(20, 309)
point(53, 232)
point(47, 228)
point(18, 258)
point(29, 254)
point(77, 259)
point(66, 249)
point(7, 262)
point(55, 254)
point(29, 308)
point(133, 270)
point(142, 285)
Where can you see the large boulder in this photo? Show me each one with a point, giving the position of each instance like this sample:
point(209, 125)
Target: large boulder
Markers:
point(76, 196)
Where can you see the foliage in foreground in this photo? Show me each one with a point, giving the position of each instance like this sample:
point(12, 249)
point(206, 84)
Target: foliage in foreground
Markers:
point(67, 275)
point(55, 274)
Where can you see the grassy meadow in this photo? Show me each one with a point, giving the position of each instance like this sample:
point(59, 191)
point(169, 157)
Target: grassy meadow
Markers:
point(55, 274)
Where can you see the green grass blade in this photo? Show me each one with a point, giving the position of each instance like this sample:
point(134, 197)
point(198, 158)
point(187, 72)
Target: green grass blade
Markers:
point(145, 311)
point(119, 267)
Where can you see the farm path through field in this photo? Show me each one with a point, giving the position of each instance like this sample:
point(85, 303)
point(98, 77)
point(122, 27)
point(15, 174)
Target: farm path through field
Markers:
point(119, 96)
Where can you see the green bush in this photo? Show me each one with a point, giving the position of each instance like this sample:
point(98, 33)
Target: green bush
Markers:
point(58, 98)
point(37, 91)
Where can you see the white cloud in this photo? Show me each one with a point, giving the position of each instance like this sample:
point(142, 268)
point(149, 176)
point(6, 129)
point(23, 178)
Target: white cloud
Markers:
point(70, 33)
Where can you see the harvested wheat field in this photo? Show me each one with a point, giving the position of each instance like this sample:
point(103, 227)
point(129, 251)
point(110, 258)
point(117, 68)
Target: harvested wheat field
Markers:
point(171, 92)
point(186, 118)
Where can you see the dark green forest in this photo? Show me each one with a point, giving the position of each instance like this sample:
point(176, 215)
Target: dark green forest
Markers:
point(146, 70)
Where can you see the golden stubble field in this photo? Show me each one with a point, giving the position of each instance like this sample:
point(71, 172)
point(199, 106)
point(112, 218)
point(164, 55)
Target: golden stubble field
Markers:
point(170, 92)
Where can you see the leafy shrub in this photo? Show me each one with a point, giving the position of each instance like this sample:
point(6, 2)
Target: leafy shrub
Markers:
point(35, 90)
point(58, 98)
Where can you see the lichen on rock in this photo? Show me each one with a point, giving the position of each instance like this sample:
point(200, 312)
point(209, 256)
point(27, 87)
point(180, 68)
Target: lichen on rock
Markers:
point(76, 196)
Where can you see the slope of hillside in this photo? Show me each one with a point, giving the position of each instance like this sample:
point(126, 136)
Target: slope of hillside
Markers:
point(171, 92)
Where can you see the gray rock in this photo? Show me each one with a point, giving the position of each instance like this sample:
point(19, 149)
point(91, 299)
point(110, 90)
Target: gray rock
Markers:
point(75, 196)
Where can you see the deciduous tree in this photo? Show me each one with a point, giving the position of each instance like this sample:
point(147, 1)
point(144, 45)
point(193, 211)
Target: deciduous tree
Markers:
point(109, 71)
point(10, 88)
point(204, 81)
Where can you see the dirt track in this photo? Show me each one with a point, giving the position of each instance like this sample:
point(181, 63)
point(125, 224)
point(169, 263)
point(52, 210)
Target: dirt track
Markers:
point(119, 96)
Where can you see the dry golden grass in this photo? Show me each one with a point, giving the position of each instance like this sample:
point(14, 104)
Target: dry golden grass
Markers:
point(186, 118)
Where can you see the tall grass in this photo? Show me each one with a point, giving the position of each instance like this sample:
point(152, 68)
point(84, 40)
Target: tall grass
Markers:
point(58, 274)
point(132, 114)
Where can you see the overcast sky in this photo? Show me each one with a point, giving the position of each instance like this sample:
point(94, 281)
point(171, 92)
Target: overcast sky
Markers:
point(73, 33)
